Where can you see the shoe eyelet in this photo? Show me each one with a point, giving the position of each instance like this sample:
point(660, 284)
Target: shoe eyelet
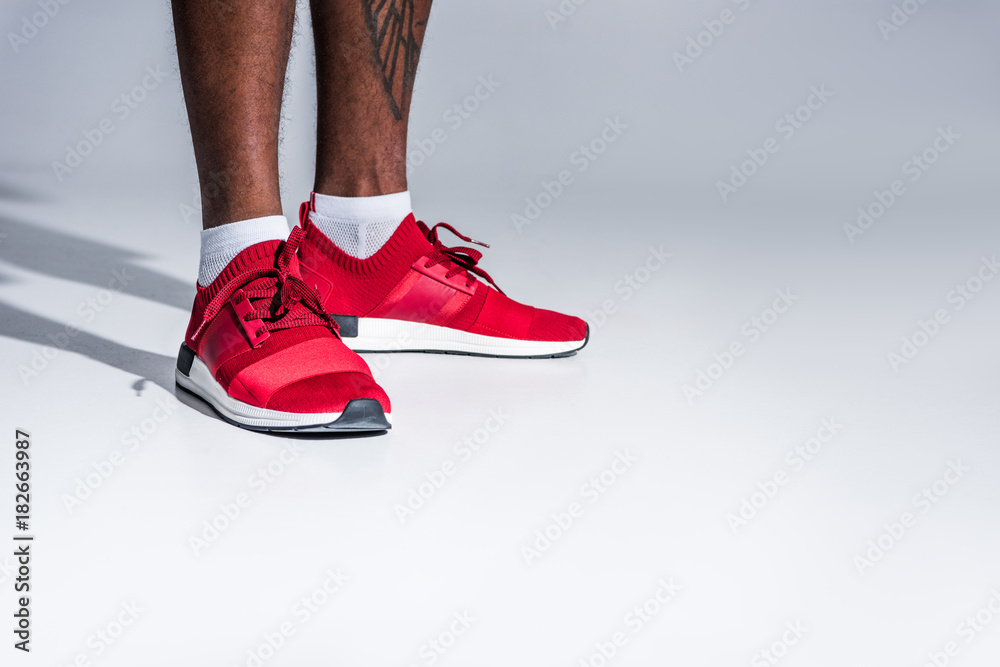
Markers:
point(254, 329)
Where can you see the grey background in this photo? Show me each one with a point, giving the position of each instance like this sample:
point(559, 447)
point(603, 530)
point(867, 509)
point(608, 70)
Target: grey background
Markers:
point(130, 205)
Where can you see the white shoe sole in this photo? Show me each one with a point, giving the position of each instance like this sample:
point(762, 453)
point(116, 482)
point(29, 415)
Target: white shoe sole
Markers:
point(193, 375)
point(376, 334)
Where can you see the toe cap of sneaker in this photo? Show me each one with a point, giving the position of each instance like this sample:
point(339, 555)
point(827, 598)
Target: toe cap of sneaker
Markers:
point(548, 325)
point(327, 393)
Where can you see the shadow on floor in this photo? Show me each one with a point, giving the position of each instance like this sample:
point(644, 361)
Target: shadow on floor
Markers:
point(31, 328)
point(81, 260)
point(90, 262)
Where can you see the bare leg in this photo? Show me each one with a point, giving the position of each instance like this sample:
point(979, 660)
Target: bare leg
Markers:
point(366, 60)
point(232, 57)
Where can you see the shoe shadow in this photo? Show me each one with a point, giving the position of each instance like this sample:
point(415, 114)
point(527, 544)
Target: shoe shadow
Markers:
point(81, 260)
point(51, 335)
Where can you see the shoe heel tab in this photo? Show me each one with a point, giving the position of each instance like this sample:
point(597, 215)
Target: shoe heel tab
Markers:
point(185, 357)
point(304, 211)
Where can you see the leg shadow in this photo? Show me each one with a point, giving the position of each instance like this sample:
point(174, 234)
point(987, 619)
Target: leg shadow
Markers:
point(30, 328)
point(90, 262)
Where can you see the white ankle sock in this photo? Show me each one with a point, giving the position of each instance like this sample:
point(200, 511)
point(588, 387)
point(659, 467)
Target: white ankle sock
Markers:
point(220, 245)
point(360, 225)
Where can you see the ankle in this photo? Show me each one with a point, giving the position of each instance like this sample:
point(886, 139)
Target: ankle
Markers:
point(226, 199)
point(361, 183)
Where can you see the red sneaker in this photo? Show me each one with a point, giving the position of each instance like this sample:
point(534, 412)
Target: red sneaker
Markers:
point(417, 295)
point(264, 354)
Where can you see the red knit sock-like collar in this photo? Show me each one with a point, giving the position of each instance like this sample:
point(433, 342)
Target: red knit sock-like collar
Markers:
point(259, 255)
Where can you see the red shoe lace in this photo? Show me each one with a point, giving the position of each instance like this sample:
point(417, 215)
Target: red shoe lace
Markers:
point(460, 258)
point(265, 298)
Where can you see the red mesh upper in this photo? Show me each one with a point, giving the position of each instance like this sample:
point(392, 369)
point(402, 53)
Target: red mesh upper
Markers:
point(550, 325)
point(258, 255)
point(279, 340)
point(360, 285)
point(322, 374)
point(466, 317)
point(324, 393)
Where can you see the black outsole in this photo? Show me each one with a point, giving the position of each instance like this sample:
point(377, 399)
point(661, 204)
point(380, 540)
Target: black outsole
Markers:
point(362, 415)
point(557, 355)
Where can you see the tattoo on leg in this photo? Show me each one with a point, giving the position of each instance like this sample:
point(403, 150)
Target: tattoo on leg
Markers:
point(394, 43)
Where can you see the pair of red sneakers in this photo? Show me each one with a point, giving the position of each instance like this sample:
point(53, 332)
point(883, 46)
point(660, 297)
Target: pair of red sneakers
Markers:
point(272, 343)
